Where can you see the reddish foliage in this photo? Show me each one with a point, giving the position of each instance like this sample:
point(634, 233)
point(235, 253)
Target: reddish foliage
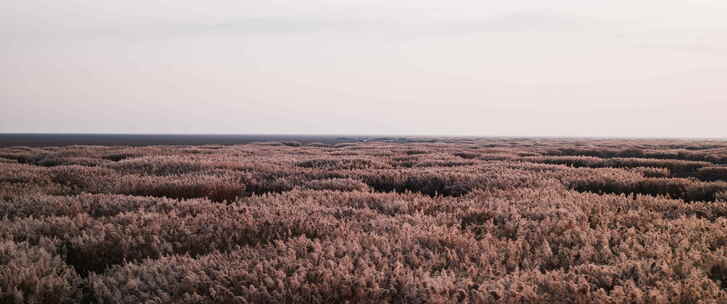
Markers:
point(459, 220)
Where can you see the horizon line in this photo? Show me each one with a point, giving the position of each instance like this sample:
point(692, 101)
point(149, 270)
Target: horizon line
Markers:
point(358, 135)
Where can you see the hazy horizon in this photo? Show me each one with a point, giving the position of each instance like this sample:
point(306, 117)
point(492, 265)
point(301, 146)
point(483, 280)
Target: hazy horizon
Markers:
point(620, 69)
point(291, 136)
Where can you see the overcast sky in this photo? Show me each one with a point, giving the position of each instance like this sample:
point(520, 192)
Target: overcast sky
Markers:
point(647, 68)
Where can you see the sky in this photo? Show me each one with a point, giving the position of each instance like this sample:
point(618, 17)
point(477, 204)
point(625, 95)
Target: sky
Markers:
point(648, 68)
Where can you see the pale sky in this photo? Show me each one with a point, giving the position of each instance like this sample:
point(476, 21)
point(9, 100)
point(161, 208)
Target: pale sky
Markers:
point(647, 68)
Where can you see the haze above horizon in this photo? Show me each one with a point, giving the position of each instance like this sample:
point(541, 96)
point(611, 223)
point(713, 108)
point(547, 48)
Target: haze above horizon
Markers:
point(560, 68)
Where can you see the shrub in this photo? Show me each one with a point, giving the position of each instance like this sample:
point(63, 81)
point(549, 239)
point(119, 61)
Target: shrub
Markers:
point(31, 274)
point(652, 172)
point(416, 152)
point(443, 163)
point(23, 174)
point(476, 221)
point(681, 168)
point(466, 155)
point(685, 189)
point(330, 164)
point(677, 167)
point(573, 161)
point(95, 205)
point(120, 156)
point(712, 173)
point(660, 153)
point(16, 156)
point(81, 179)
point(216, 188)
point(70, 161)
point(94, 244)
point(337, 184)
point(721, 196)
point(431, 184)
point(159, 165)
